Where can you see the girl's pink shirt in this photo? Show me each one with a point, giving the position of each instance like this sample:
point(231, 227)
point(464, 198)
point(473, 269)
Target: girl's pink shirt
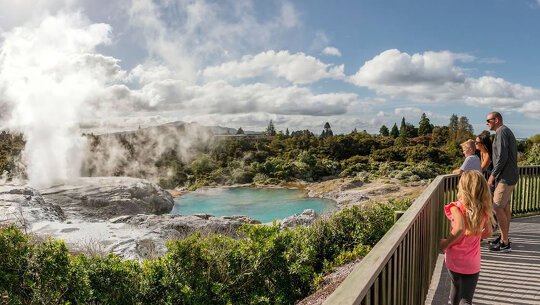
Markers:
point(463, 256)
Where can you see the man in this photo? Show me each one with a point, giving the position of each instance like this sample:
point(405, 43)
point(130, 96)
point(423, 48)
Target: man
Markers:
point(472, 162)
point(504, 176)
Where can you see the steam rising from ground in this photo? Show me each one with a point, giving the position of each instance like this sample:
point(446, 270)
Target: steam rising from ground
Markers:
point(138, 153)
point(45, 80)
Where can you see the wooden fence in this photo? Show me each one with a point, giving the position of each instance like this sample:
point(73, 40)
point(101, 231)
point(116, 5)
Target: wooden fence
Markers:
point(398, 269)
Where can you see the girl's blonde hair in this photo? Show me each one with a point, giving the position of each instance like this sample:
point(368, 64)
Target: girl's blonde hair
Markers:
point(473, 191)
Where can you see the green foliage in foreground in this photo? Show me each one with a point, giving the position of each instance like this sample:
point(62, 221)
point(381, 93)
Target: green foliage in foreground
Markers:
point(267, 266)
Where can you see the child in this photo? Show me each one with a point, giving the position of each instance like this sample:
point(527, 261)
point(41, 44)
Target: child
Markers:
point(471, 219)
point(471, 160)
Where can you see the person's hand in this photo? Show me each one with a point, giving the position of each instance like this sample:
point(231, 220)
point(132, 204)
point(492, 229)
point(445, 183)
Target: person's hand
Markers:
point(490, 181)
point(443, 244)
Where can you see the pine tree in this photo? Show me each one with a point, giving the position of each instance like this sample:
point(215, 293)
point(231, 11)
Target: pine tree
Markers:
point(240, 131)
point(271, 130)
point(327, 132)
point(403, 128)
point(287, 132)
point(384, 131)
point(394, 132)
point(424, 126)
point(453, 127)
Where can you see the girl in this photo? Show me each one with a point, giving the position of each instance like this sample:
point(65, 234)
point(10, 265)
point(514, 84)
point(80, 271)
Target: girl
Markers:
point(471, 219)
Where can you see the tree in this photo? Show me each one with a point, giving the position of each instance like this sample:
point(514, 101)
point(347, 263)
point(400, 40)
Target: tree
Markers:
point(287, 132)
point(410, 130)
point(327, 132)
point(439, 136)
point(464, 130)
point(271, 130)
point(394, 132)
point(453, 127)
point(465, 126)
point(384, 131)
point(407, 130)
point(424, 126)
point(403, 128)
point(240, 131)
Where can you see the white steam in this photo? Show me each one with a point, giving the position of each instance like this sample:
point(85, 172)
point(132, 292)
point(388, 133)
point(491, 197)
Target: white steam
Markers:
point(45, 80)
point(139, 153)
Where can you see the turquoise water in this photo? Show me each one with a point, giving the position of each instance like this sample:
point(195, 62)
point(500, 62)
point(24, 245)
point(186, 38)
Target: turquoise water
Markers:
point(261, 204)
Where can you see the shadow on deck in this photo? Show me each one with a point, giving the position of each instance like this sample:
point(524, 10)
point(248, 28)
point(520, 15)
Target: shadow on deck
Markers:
point(505, 278)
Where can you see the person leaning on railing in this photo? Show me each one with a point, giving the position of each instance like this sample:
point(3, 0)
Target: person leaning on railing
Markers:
point(472, 162)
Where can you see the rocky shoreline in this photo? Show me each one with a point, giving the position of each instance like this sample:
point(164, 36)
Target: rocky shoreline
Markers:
point(126, 216)
point(129, 216)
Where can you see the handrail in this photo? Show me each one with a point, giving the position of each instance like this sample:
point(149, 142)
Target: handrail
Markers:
point(398, 269)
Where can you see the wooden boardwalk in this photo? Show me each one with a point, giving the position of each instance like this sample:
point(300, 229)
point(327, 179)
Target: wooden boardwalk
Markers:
point(505, 278)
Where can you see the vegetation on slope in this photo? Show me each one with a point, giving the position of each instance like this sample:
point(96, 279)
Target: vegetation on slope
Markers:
point(266, 266)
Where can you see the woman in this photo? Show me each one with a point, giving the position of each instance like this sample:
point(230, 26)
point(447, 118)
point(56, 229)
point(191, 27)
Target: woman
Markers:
point(483, 145)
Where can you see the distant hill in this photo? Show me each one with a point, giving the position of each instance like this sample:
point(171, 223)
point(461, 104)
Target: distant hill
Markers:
point(185, 126)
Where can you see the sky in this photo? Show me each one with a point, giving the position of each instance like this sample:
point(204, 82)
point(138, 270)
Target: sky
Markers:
point(110, 65)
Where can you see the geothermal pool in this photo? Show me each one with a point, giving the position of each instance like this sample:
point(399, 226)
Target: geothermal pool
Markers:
point(261, 204)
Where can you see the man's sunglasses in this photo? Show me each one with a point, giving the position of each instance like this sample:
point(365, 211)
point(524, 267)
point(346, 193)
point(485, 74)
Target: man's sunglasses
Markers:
point(489, 120)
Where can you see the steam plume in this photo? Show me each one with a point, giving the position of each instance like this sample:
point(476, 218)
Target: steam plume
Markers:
point(45, 81)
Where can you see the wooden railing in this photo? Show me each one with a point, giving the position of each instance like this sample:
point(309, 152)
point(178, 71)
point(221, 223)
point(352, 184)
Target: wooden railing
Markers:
point(398, 269)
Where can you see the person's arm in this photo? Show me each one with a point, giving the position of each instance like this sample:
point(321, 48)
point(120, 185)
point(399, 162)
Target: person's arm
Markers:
point(458, 228)
point(488, 229)
point(485, 163)
point(458, 171)
point(502, 148)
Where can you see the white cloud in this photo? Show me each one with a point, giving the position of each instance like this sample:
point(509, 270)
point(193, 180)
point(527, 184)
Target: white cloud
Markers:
point(297, 68)
point(497, 92)
point(289, 16)
point(188, 35)
point(14, 13)
point(531, 109)
point(393, 68)
point(408, 112)
point(331, 51)
point(221, 97)
point(434, 77)
point(150, 72)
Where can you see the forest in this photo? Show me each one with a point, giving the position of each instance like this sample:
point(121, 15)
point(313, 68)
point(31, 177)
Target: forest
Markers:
point(408, 152)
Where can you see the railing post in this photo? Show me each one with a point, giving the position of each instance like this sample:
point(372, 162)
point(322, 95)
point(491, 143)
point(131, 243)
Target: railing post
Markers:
point(397, 215)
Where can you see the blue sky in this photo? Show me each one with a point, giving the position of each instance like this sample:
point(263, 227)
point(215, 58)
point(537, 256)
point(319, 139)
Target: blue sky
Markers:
point(355, 64)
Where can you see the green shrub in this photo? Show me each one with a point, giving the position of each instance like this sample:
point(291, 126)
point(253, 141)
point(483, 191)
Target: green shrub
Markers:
point(15, 252)
point(39, 274)
point(267, 266)
point(533, 154)
point(112, 280)
point(48, 273)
